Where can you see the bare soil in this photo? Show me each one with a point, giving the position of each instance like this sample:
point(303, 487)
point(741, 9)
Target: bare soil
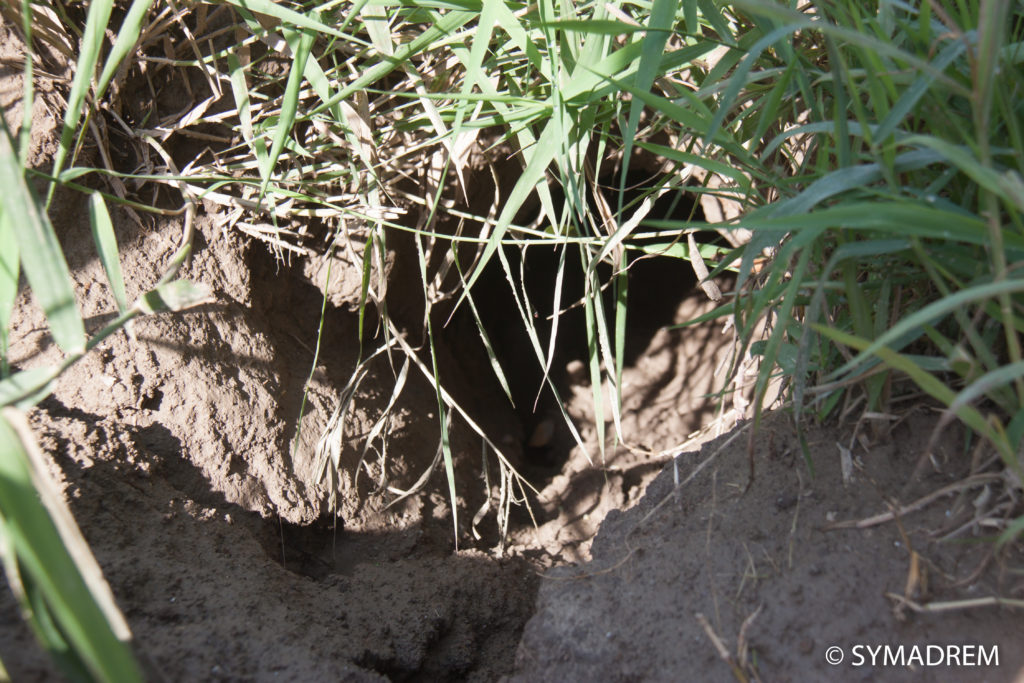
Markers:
point(721, 573)
point(176, 449)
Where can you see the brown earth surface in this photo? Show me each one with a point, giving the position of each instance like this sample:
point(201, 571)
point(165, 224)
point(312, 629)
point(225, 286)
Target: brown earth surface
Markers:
point(175, 447)
point(773, 570)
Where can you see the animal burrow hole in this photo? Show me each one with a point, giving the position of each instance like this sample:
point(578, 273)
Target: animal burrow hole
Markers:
point(538, 272)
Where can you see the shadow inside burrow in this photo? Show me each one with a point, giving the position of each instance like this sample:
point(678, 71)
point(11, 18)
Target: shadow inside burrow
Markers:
point(657, 286)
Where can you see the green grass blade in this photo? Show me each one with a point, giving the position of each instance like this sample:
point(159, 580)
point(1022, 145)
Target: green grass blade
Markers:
point(912, 95)
point(485, 338)
point(771, 106)
point(779, 331)
point(26, 388)
point(853, 36)
point(364, 288)
point(993, 20)
point(289, 105)
point(96, 23)
point(690, 18)
point(839, 70)
point(127, 36)
point(985, 176)
point(56, 560)
point(27, 88)
point(726, 170)
point(540, 157)
point(591, 83)
point(694, 117)
point(592, 27)
point(846, 179)
point(898, 218)
point(524, 309)
point(931, 385)
point(313, 72)
point(853, 127)
point(176, 295)
point(739, 78)
point(988, 383)
point(1012, 531)
point(375, 20)
point(621, 306)
point(714, 17)
point(240, 90)
point(448, 23)
point(285, 15)
point(106, 244)
point(929, 315)
point(41, 255)
point(474, 66)
point(442, 408)
point(511, 24)
point(9, 272)
point(659, 27)
point(594, 365)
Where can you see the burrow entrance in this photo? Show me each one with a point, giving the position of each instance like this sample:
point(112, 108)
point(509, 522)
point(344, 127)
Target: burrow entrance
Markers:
point(657, 285)
point(534, 429)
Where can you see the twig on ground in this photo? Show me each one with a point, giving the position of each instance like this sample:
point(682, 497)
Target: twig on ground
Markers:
point(970, 482)
point(721, 649)
point(951, 605)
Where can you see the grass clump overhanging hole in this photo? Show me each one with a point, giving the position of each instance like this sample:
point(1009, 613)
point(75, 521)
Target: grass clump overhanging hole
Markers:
point(872, 149)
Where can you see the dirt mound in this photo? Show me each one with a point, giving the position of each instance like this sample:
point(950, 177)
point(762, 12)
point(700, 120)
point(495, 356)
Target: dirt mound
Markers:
point(208, 597)
point(758, 571)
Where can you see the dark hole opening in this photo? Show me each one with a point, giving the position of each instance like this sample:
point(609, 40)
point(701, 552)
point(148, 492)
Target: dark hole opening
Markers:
point(657, 286)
